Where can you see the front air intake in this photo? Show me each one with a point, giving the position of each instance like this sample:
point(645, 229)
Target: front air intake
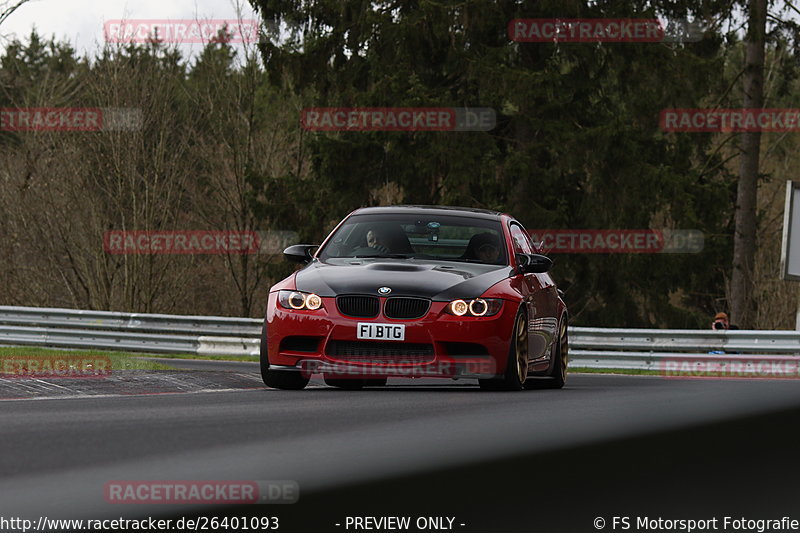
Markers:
point(380, 352)
point(406, 308)
point(358, 306)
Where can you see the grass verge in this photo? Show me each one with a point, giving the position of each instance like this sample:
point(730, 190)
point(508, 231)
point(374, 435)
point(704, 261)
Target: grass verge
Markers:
point(626, 371)
point(119, 360)
point(248, 358)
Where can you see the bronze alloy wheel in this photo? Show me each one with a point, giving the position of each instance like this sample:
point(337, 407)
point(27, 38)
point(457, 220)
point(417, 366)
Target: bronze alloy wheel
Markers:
point(563, 345)
point(516, 372)
point(521, 347)
point(557, 374)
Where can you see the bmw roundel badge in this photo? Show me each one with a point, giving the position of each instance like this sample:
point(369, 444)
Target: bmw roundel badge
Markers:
point(384, 290)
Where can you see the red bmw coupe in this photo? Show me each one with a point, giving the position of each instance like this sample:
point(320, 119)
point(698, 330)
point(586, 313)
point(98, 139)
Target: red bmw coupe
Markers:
point(417, 291)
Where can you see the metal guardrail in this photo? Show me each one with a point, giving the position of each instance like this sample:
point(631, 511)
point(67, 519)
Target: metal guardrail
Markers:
point(656, 349)
point(207, 335)
point(134, 332)
point(140, 322)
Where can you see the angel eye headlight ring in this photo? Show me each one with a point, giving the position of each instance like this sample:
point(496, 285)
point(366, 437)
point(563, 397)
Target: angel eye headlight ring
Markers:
point(313, 302)
point(478, 307)
point(297, 300)
point(459, 307)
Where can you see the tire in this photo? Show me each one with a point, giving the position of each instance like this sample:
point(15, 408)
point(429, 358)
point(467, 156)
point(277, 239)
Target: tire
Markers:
point(278, 379)
point(517, 365)
point(344, 383)
point(558, 371)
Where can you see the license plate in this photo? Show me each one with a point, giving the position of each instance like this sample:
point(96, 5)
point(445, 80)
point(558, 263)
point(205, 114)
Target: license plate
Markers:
point(381, 332)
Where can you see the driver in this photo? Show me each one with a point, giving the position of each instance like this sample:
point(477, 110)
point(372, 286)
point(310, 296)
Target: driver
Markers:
point(374, 240)
point(488, 253)
point(485, 247)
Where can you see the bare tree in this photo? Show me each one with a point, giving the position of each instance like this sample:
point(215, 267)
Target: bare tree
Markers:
point(65, 189)
point(242, 137)
point(744, 240)
point(8, 7)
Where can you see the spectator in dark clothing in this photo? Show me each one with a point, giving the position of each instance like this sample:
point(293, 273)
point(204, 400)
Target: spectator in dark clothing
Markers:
point(721, 322)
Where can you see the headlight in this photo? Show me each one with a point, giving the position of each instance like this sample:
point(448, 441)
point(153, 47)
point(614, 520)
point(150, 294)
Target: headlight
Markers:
point(477, 307)
point(299, 300)
point(459, 307)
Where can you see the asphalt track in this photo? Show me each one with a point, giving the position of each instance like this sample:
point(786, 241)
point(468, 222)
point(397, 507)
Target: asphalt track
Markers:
point(548, 460)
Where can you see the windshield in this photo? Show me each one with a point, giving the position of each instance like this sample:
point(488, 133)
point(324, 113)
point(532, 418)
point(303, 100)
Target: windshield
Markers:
point(434, 237)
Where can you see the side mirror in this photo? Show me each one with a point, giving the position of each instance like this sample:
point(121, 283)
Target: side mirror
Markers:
point(300, 253)
point(533, 263)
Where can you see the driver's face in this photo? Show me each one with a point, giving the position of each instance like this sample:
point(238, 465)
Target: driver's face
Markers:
point(372, 239)
point(488, 253)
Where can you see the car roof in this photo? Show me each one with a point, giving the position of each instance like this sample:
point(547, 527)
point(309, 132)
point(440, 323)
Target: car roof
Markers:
point(430, 209)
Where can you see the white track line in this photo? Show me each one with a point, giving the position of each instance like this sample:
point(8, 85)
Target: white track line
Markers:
point(136, 395)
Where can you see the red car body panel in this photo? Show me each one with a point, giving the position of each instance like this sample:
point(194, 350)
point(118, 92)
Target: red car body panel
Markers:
point(462, 346)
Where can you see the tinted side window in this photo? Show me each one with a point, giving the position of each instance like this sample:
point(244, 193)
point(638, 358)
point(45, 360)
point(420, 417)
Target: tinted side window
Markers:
point(521, 243)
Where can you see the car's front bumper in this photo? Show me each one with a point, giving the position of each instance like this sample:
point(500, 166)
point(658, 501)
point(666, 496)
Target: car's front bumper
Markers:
point(436, 345)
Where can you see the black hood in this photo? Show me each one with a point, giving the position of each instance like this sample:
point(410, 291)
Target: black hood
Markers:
point(438, 280)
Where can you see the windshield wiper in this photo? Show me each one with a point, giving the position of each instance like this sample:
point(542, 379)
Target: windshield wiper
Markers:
point(389, 256)
point(466, 260)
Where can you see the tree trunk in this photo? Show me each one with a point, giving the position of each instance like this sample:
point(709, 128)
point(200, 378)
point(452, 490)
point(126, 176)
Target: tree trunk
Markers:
point(744, 239)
